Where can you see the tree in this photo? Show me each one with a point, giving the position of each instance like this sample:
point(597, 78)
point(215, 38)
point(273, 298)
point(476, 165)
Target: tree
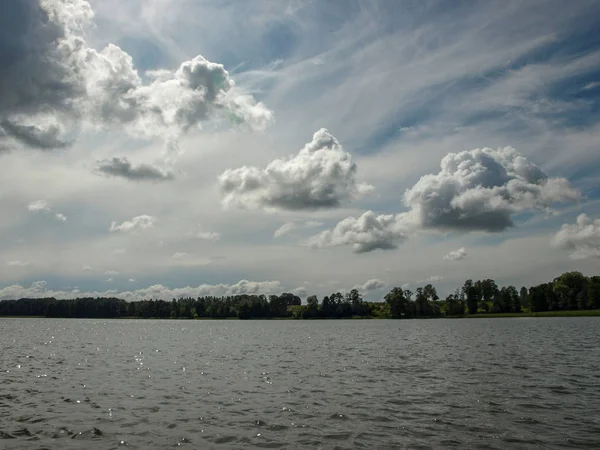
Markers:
point(471, 295)
point(524, 297)
point(594, 292)
point(396, 302)
point(571, 290)
point(312, 306)
point(453, 305)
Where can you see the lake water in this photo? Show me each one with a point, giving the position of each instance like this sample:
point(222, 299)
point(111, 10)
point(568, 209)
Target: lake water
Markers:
point(472, 383)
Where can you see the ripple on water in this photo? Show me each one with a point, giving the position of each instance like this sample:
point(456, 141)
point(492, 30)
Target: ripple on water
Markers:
point(439, 384)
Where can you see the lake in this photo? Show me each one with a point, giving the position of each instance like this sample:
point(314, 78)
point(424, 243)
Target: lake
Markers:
point(145, 384)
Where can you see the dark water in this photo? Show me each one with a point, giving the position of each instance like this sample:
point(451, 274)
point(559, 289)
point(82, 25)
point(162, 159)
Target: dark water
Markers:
point(488, 383)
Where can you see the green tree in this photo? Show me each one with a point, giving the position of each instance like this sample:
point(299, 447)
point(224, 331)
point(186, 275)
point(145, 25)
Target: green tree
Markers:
point(396, 302)
point(571, 290)
point(471, 295)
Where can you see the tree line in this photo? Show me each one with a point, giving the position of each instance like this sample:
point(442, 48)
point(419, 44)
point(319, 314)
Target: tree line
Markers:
point(570, 291)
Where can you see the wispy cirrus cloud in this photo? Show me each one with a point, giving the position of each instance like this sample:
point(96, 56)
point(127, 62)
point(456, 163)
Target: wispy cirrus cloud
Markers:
point(17, 263)
point(290, 227)
point(459, 77)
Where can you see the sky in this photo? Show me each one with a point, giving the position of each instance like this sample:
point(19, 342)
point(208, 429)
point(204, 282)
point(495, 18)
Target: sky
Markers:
point(168, 148)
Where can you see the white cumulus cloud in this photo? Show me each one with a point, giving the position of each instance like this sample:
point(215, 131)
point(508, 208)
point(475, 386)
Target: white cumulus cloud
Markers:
point(456, 255)
point(481, 189)
point(366, 233)
point(582, 237)
point(45, 207)
point(136, 224)
point(52, 81)
point(321, 175)
point(39, 205)
point(476, 190)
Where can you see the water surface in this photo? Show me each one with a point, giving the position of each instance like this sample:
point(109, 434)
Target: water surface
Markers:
point(473, 383)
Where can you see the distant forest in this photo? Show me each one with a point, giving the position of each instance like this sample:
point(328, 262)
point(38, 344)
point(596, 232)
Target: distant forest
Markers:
point(571, 291)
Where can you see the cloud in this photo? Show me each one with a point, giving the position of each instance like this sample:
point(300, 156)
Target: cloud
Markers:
point(132, 280)
point(288, 227)
point(367, 233)
point(456, 255)
point(51, 81)
point(39, 289)
point(432, 279)
point(136, 224)
point(179, 255)
point(39, 205)
point(284, 229)
point(321, 175)
point(592, 85)
point(205, 235)
point(476, 190)
point(43, 137)
point(111, 272)
point(371, 285)
point(582, 238)
point(300, 291)
point(122, 167)
point(45, 207)
point(481, 189)
point(17, 263)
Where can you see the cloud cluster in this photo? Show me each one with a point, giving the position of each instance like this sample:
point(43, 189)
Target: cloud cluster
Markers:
point(476, 190)
point(367, 233)
point(320, 175)
point(136, 224)
point(39, 289)
point(51, 80)
point(45, 207)
point(456, 255)
point(582, 237)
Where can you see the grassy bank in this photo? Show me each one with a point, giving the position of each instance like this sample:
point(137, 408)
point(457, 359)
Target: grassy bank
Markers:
point(582, 313)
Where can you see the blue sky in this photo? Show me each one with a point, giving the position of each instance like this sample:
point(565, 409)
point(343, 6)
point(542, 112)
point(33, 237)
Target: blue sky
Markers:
point(398, 85)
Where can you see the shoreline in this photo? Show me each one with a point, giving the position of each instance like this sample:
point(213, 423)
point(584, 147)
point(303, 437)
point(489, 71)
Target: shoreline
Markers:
point(570, 313)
